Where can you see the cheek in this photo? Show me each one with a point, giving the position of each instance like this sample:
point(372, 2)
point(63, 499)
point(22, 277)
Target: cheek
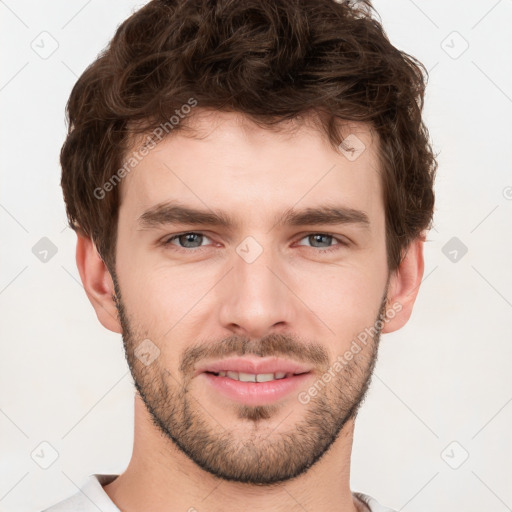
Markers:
point(163, 298)
point(346, 295)
point(346, 300)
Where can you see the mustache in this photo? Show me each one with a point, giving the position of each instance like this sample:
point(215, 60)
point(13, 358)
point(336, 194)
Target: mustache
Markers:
point(269, 346)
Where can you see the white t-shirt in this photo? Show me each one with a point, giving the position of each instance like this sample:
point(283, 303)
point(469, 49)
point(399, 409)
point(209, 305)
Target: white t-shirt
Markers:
point(91, 497)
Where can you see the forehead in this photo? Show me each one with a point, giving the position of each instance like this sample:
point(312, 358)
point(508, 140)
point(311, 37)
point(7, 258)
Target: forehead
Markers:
point(224, 161)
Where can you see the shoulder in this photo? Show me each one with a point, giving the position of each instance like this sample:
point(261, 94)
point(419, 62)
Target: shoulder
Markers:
point(89, 498)
point(372, 503)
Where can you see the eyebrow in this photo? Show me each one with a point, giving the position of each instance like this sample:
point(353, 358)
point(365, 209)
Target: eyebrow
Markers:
point(169, 213)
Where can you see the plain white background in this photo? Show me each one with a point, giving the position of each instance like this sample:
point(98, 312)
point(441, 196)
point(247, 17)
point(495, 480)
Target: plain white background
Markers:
point(434, 432)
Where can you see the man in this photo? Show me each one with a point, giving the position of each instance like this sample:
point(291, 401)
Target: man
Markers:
point(251, 183)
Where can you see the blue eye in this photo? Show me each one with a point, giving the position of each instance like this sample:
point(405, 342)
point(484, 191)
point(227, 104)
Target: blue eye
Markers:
point(188, 239)
point(192, 242)
point(317, 237)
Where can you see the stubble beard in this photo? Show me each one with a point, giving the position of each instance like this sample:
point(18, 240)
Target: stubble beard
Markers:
point(265, 454)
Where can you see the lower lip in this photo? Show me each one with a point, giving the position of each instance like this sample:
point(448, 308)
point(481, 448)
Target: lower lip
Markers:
point(256, 393)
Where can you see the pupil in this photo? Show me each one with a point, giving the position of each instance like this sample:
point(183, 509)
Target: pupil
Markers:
point(189, 237)
point(319, 237)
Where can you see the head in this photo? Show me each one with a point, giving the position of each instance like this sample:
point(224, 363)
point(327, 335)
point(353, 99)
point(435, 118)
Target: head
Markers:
point(253, 179)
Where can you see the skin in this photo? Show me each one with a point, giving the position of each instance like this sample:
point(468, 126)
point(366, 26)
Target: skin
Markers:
point(288, 456)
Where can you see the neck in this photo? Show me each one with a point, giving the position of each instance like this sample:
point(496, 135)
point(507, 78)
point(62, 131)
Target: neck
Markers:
point(161, 478)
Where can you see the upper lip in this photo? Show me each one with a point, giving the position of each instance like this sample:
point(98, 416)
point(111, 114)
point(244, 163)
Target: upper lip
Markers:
point(256, 366)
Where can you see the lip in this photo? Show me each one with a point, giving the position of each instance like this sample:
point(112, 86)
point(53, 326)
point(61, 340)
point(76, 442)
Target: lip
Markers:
point(255, 393)
point(254, 365)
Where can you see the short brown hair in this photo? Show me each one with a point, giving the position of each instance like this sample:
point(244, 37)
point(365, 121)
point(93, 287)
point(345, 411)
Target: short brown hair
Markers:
point(271, 60)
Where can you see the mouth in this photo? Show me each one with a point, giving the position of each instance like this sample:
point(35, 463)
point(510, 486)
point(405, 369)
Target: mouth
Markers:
point(254, 369)
point(254, 381)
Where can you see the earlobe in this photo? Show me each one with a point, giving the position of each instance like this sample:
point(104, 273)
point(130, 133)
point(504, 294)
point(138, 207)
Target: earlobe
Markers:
point(97, 283)
point(404, 286)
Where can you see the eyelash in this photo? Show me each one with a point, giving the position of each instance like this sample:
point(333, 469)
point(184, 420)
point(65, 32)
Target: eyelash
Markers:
point(341, 243)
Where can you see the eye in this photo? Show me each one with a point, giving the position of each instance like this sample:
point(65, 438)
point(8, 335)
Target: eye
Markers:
point(324, 238)
point(193, 241)
point(186, 241)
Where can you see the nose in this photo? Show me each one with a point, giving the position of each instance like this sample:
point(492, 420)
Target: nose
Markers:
point(256, 298)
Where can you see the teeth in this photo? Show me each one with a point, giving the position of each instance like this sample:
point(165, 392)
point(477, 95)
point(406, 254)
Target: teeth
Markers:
point(246, 377)
point(252, 377)
point(264, 377)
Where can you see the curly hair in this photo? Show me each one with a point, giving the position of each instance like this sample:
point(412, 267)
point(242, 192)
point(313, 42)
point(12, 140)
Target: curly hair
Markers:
point(270, 60)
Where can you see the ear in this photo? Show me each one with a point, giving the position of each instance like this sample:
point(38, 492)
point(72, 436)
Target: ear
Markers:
point(404, 286)
point(97, 282)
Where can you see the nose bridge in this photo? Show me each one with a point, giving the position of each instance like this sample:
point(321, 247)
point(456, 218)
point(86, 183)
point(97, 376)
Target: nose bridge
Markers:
point(256, 299)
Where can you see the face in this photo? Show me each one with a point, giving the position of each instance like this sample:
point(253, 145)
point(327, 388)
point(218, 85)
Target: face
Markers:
point(286, 266)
